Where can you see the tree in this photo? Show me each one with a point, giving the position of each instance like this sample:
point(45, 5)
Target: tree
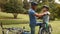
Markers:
point(57, 12)
point(2, 2)
point(14, 7)
point(26, 4)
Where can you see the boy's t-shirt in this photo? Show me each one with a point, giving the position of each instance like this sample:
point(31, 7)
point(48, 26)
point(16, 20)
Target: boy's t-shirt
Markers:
point(46, 17)
point(47, 12)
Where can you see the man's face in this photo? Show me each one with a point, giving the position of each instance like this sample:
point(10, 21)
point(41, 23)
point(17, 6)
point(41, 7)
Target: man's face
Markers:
point(34, 7)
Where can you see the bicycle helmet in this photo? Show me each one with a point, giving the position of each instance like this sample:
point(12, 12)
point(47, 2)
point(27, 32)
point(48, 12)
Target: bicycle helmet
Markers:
point(45, 6)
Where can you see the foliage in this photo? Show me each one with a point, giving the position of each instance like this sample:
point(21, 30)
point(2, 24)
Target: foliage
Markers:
point(58, 11)
point(13, 7)
point(54, 8)
point(26, 4)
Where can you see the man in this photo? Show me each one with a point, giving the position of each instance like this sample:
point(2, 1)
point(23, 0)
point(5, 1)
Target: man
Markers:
point(32, 16)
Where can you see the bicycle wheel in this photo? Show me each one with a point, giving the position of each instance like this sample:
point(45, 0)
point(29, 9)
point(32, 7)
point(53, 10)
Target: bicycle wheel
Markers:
point(42, 31)
point(50, 29)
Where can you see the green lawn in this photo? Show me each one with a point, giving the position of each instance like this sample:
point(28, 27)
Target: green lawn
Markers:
point(6, 18)
point(55, 26)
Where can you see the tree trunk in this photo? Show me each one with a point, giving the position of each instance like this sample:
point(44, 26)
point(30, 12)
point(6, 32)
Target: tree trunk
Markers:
point(15, 15)
point(0, 9)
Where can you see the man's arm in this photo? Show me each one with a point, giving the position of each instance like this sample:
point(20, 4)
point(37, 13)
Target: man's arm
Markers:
point(39, 15)
point(42, 14)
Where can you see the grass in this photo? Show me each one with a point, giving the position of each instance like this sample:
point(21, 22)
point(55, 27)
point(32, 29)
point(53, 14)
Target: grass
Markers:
point(23, 20)
point(55, 26)
point(6, 18)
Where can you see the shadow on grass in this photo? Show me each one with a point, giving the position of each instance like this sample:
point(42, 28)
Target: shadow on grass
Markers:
point(9, 17)
point(13, 21)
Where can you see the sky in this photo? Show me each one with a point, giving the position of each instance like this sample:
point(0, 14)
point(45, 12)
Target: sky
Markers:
point(57, 1)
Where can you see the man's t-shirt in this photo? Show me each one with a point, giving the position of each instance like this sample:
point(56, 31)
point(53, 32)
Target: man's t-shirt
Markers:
point(32, 17)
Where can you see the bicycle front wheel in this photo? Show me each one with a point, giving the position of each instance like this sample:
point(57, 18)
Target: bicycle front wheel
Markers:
point(44, 31)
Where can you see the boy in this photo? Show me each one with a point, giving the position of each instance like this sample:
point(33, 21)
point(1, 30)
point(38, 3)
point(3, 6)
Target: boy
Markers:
point(45, 17)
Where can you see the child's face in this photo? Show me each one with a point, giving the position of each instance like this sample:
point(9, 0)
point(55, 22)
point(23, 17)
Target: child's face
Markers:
point(44, 9)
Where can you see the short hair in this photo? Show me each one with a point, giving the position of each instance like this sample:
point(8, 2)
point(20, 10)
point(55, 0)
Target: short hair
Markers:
point(34, 3)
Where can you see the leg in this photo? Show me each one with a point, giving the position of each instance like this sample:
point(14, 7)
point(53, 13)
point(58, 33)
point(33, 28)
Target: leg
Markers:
point(47, 25)
point(39, 24)
point(32, 29)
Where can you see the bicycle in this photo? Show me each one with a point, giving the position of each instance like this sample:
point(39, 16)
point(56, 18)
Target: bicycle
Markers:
point(14, 30)
point(44, 30)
